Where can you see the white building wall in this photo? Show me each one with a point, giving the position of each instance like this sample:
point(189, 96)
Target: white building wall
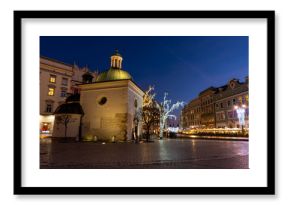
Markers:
point(72, 127)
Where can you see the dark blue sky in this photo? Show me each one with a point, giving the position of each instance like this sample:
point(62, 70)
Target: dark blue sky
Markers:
point(181, 66)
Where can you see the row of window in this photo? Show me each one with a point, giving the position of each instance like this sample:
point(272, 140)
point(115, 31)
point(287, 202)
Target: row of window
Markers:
point(207, 109)
point(52, 79)
point(50, 105)
point(229, 103)
point(234, 101)
point(219, 116)
point(51, 92)
point(207, 102)
point(230, 115)
point(194, 123)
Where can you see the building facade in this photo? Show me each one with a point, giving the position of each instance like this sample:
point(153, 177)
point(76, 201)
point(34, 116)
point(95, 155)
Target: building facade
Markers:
point(217, 107)
point(228, 99)
point(207, 116)
point(191, 114)
point(57, 81)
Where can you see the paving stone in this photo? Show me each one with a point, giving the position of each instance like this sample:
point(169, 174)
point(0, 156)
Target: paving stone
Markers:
point(161, 154)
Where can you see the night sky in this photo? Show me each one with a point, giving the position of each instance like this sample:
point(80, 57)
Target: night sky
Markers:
point(182, 66)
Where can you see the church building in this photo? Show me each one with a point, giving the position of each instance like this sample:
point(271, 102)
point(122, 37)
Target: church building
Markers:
point(109, 106)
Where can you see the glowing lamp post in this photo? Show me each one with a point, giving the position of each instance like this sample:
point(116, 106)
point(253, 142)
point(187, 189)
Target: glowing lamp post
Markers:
point(241, 115)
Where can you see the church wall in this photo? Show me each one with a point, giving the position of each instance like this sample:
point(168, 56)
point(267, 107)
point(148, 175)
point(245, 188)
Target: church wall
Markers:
point(132, 96)
point(105, 121)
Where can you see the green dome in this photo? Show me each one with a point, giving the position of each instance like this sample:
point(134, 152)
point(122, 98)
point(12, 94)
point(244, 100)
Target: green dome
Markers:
point(113, 74)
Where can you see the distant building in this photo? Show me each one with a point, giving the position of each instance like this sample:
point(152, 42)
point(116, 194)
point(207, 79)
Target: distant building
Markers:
point(229, 97)
point(191, 114)
point(207, 115)
point(216, 107)
point(57, 81)
point(80, 76)
point(200, 111)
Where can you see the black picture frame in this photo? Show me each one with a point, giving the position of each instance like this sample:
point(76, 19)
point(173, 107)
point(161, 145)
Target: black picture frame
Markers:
point(269, 189)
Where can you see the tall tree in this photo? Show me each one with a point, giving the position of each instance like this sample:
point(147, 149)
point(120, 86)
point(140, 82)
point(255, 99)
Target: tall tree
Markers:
point(150, 112)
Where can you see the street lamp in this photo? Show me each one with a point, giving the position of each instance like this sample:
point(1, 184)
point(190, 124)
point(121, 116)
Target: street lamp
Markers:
point(241, 115)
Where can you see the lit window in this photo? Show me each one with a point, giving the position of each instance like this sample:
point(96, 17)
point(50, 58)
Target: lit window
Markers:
point(50, 91)
point(247, 98)
point(64, 81)
point(52, 78)
point(240, 100)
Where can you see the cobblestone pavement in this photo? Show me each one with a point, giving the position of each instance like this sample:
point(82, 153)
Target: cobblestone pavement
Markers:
point(160, 154)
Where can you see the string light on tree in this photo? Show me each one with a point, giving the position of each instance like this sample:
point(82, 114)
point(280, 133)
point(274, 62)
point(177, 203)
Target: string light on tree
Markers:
point(165, 108)
point(241, 115)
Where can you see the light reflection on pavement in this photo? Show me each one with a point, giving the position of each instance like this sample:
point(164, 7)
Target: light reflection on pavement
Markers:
point(160, 154)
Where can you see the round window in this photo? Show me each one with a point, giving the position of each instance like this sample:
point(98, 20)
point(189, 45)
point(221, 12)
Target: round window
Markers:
point(103, 101)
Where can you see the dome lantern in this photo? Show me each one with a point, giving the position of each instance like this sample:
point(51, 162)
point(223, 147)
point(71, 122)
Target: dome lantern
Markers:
point(114, 72)
point(116, 60)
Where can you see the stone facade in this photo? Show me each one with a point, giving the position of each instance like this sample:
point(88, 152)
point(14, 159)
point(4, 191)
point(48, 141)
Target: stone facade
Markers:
point(109, 109)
